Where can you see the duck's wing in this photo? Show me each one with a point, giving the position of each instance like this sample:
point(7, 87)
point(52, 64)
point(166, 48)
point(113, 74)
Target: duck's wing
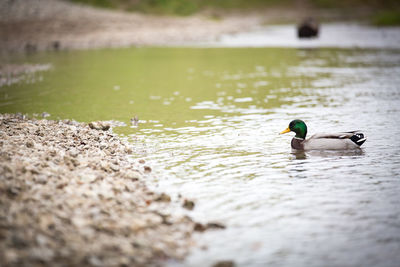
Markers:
point(339, 135)
point(340, 140)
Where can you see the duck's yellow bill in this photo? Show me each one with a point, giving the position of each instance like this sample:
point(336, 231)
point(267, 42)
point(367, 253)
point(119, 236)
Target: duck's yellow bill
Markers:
point(285, 131)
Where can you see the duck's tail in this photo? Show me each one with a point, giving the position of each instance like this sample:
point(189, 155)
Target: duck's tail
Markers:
point(358, 138)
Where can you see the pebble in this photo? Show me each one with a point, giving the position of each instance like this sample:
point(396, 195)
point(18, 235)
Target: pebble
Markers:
point(188, 204)
point(73, 152)
point(41, 179)
point(98, 125)
point(147, 169)
point(224, 264)
point(203, 227)
point(163, 198)
point(114, 167)
point(30, 144)
point(133, 175)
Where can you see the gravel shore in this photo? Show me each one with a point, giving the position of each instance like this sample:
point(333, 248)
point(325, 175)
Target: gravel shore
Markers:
point(60, 25)
point(73, 196)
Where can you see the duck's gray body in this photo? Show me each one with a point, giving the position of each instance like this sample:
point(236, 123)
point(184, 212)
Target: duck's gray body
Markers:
point(331, 141)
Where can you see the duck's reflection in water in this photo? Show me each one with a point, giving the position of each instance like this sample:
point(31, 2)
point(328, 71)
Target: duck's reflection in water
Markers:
point(305, 164)
point(301, 154)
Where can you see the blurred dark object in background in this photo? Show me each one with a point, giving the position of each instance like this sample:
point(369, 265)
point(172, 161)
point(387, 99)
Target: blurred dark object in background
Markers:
point(308, 29)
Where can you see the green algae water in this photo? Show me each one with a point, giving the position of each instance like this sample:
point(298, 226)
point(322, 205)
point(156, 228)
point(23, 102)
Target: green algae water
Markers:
point(159, 84)
point(209, 120)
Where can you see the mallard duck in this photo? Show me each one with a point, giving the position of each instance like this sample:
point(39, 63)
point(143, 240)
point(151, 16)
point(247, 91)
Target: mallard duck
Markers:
point(321, 141)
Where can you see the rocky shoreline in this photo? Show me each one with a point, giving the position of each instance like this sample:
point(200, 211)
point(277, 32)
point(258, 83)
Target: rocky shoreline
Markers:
point(71, 195)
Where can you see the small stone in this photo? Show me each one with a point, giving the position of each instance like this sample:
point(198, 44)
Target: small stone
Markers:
point(114, 167)
point(73, 152)
point(98, 125)
point(11, 256)
point(198, 227)
point(104, 166)
point(133, 175)
point(215, 225)
point(41, 240)
point(103, 145)
point(13, 191)
point(30, 143)
point(95, 261)
point(18, 241)
point(147, 169)
point(201, 227)
point(142, 161)
point(128, 150)
point(52, 153)
point(163, 198)
point(45, 115)
point(226, 263)
point(32, 170)
point(41, 179)
point(188, 204)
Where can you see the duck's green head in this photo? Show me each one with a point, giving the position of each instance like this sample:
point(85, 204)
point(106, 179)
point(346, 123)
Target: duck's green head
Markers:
point(297, 126)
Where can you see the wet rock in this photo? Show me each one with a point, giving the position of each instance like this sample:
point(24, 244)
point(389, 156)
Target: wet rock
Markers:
point(11, 256)
point(31, 169)
point(128, 150)
point(41, 240)
point(18, 241)
point(13, 191)
point(133, 175)
point(215, 225)
point(226, 263)
point(41, 179)
point(45, 115)
point(114, 167)
point(198, 227)
point(103, 145)
point(188, 204)
point(163, 198)
point(73, 152)
point(30, 144)
point(98, 125)
point(203, 227)
point(42, 254)
point(71, 162)
point(105, 166)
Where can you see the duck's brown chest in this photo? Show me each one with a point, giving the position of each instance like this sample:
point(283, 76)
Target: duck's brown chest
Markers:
point(297, 143)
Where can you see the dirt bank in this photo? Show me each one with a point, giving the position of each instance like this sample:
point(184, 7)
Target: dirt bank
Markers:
point(73, 196)
point(57, 25)
point(53, 25)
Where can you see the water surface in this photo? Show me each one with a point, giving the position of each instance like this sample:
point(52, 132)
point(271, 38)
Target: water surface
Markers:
point(209, 124)
point(340, 35)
